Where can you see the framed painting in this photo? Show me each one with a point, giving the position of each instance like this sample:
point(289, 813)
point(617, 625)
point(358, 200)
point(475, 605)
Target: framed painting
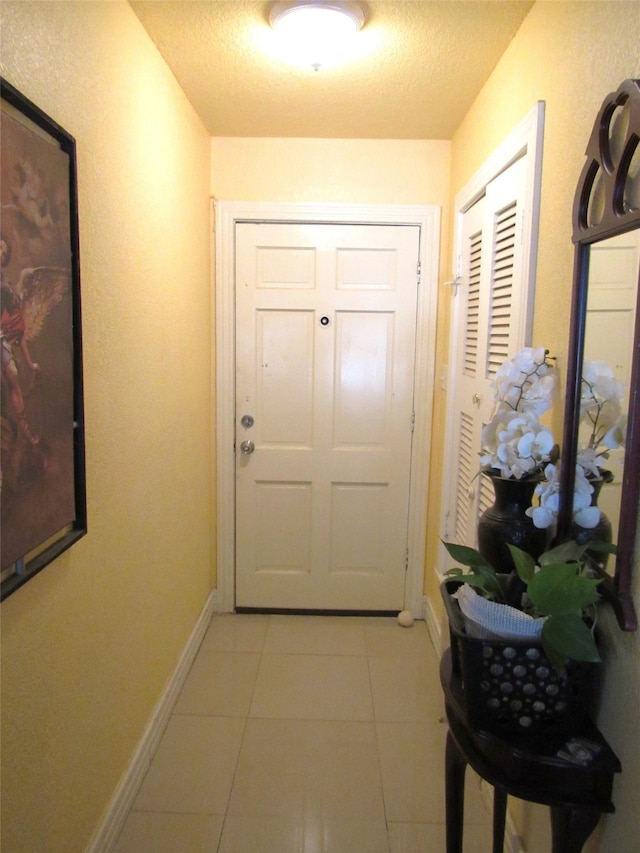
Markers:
point(43, 497)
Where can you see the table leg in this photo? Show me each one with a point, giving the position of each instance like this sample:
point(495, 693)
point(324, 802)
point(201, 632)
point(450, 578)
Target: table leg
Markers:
point(570, 828)
point(499, 819)
point(455, 766)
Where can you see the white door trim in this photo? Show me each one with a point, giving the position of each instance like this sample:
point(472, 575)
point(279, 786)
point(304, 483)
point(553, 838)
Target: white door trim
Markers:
point(226, 214)
point(527, 138)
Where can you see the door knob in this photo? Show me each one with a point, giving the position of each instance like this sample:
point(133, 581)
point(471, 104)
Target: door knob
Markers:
point(247, 447)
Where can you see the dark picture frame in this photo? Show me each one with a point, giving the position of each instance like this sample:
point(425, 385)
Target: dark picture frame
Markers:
point(43, 498)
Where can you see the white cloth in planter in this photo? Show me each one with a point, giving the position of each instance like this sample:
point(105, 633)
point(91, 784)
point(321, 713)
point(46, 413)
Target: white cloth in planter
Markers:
point(490, 620)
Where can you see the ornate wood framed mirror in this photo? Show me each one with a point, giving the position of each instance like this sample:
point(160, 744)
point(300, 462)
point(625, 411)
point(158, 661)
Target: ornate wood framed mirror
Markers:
point(605, 328)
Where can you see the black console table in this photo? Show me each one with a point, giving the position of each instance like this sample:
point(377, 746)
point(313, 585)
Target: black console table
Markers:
point(577, 787)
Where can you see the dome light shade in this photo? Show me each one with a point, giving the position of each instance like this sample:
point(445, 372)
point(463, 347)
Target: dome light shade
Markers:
point(316, 33)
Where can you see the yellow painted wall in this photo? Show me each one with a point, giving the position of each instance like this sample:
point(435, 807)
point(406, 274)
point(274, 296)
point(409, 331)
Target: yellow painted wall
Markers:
point(89, 644)
point(570, 55)
point(351, 171)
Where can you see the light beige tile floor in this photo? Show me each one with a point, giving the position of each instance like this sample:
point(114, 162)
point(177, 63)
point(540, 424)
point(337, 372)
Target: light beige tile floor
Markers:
point(304, 734)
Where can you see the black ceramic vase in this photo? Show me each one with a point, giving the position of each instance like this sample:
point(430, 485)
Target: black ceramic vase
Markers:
point(506, 522)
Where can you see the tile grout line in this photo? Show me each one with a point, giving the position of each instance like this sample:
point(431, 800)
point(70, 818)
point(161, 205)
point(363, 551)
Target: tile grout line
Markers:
point(247, 717)
point(377, 742)
point(373, 652)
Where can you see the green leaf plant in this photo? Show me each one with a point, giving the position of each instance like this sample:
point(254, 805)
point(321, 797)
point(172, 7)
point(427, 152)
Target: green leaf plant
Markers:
point(558, 588)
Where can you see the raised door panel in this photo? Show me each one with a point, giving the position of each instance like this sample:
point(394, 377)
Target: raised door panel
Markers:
point(284, 377)
point(363, 379)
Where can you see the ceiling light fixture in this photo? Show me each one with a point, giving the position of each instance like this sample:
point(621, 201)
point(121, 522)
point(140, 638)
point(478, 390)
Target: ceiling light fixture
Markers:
point(314, 32)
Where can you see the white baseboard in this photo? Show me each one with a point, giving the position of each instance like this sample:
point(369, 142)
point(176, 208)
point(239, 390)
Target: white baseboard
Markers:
point(433, 623)
point(512, 840)
point(107, 833)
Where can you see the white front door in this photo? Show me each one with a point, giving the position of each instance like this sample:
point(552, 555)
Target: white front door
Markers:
point(325, 349)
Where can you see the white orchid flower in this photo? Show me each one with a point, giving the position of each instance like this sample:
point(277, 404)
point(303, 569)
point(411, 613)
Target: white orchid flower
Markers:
point(536, 443)
point(582, 489)
point(588, 516)
point(601, 413)
point(599, 385)
point(537, 397)
point(548, 492)
point(583, 513)
point(617, 435)
point(516, 444)
point(587, 461)
point(542, 516)
point(525, 382)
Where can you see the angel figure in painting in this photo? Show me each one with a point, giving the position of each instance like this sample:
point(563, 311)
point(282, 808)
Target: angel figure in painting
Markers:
point(23, 311)
point(30, 196)
point(12, 334)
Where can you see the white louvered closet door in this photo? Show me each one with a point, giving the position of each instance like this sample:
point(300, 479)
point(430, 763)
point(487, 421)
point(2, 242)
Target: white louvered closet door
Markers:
point(488, 327)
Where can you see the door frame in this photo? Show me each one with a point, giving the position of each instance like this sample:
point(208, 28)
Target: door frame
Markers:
point(225, 217)
point(525, 140)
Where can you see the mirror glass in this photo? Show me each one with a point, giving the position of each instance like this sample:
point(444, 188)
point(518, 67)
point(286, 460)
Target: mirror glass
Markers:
point(608, 349)
point(604, 343)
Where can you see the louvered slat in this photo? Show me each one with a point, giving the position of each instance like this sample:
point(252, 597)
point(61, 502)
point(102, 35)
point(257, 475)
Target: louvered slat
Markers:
point(466, 472)
point(501, 301)
point(470, 359)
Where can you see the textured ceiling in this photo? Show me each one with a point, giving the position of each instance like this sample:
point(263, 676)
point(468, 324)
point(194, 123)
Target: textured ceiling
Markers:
point(418, 69)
